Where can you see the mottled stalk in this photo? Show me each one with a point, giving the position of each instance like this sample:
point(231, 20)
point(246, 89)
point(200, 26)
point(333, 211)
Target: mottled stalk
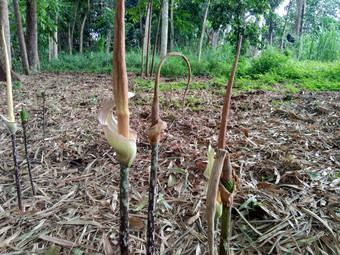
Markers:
point(152, 200)
point(225, 230)
point(16, 172)
point(124, 210)
point(228, 183)
point(24, 125)
point(43, 117)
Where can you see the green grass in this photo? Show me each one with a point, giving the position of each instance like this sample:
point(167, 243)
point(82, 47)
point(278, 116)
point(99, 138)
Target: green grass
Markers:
point(264, 72)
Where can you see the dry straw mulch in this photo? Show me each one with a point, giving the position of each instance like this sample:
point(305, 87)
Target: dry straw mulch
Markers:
point(285, 148)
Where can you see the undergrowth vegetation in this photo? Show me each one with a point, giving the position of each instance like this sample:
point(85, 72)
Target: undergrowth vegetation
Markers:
point(269, 68)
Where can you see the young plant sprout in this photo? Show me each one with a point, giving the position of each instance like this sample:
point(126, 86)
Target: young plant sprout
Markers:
point(222, 177)
point(118, 133)
point(10, 122)
point(155, 132)
point(23, 115)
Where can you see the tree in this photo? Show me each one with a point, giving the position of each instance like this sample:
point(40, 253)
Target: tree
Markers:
point(21, 38)
point(271, 16)
point(32, 34)
point(4, 25)
point(203, 30)
point(81, 32)
point(285, 24)
point(300, 10)
point(165, 22)
point(146, 38)
point(71, 27)
point(172, 31)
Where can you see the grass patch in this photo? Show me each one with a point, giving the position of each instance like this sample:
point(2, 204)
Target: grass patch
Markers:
point(264, 72)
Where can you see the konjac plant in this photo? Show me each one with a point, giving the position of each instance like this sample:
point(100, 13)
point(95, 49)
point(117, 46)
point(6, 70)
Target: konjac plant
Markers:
point(223, 183)
point(117, 132)
point(10, 121)
point(155, 132)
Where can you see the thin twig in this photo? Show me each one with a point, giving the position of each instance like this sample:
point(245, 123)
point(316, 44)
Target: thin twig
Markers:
point(24, 125)
point(16, 171)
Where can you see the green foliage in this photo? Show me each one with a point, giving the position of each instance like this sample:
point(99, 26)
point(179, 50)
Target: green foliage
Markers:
point(267, 70)
point(322, 46)
point(269, 60)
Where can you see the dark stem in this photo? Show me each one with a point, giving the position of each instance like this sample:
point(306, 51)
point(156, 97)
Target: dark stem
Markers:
point(24, 124)
point(124, 210)
point(16, 171)
point(43, 117)
point(227, 182)
point(152, 200)
point(225, 230)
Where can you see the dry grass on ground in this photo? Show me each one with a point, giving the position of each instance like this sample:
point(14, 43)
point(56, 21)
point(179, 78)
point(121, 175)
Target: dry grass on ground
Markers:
point(285, 148)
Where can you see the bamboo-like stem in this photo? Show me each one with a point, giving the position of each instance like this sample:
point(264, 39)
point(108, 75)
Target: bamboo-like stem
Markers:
point(226, 105)
point(9, 80)
point(24, 125)
point(16, 172)
point(124, 210)
point(152, 200)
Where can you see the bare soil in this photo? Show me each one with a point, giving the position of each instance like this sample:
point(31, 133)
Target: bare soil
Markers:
point(284, 147)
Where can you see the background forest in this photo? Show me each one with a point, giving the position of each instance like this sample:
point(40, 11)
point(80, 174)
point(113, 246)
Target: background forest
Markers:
point(77, 36)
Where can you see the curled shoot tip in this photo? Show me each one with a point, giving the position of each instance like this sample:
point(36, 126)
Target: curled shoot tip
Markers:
point(155, 106)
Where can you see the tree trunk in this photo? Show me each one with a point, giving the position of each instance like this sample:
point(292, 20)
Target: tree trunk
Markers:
point(32, 34)
point(172, 31)
point(71, 29)
point(155, 43)
point(21, 38)
point(214, 39)
point(285, 25)
point(148, 43)
point(82, 28)
point(4, 24)
point(165, 22)
point(55, 40)
point(203, 30)
point(50, 48)
point(108, 42)
point(300, 6)
point(270, 31)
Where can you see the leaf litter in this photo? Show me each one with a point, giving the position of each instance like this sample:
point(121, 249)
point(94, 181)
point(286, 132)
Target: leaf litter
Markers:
point(284, 147)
